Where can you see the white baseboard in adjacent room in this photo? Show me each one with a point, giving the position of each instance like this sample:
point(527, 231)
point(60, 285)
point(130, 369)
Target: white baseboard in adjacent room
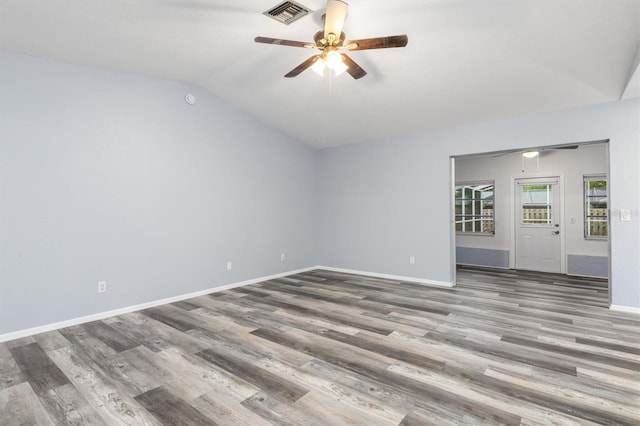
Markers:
point(125, 310)
point(388, 276)
point(620, 308)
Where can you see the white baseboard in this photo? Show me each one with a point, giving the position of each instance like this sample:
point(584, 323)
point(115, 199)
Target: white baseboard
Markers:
point(387, 276)
point(630, 309)
point(101, 315)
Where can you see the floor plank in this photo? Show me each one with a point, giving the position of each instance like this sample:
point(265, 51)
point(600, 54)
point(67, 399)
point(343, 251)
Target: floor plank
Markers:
point(19, 405)
point(172, 410)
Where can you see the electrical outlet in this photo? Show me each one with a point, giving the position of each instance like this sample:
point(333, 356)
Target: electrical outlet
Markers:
point(412, 260)
point(229, 266)
point(283, 257)
point(102, 286)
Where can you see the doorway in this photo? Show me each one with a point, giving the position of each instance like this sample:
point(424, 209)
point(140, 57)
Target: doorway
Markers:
point(556, 190)
point(537, 224)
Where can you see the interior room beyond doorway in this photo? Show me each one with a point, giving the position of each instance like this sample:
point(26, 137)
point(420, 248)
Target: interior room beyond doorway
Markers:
point(515, 211)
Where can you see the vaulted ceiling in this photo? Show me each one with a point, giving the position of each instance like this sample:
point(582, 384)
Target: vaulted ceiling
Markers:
point(466, 60)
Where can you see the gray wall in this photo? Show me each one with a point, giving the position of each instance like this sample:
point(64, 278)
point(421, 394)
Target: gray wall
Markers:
point(385, 200)
point(380, 203)
point(108, 176)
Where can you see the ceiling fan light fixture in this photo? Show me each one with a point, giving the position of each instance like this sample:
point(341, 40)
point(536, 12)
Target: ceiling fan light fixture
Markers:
point(530, 154)
point(339, 68)
point(318, 67)
point(334, 60)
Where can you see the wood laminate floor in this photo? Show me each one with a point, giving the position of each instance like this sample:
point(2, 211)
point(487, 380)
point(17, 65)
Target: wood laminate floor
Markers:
point(325, 348)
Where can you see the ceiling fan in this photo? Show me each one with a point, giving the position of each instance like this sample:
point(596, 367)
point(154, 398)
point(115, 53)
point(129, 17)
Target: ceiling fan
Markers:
point(331, 40)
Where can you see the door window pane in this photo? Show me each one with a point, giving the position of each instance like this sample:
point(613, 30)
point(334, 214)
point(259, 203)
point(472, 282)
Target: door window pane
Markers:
point(536, 204)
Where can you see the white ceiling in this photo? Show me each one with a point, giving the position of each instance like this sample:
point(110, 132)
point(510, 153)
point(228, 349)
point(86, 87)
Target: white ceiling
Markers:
point(466, 61)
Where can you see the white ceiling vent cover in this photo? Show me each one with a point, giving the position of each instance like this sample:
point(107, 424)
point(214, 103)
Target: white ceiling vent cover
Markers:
point(287, 12)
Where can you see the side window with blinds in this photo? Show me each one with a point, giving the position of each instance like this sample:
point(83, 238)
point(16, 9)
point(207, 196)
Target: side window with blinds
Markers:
point(596, 217)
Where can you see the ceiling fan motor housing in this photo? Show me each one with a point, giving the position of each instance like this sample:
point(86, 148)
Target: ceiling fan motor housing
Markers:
point(322, 42)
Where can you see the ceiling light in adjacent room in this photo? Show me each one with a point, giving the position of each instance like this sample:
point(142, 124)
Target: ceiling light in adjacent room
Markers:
point(530, 154)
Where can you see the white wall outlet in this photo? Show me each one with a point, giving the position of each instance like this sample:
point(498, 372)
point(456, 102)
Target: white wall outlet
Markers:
point(412, 260)
point(283, 257)
point(229, 265)
point(102, 286)
point(625, 215)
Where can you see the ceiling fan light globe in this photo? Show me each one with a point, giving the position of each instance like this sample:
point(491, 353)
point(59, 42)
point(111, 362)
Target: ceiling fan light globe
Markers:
point(318, 67)
point(334, 60)
point(340, 68)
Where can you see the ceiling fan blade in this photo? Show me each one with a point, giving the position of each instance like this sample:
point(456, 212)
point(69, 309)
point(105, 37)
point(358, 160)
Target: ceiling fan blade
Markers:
point(377, 42)
point(353, 69)
point(303, 66)
point(334, 18)
point(281, 42)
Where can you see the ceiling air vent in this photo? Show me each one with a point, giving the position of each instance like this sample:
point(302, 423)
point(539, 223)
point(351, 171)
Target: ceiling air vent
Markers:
point(287, 12)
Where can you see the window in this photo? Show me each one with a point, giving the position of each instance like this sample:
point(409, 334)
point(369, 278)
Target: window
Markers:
point(595, 207)
point(475, 208)
point(537, 204)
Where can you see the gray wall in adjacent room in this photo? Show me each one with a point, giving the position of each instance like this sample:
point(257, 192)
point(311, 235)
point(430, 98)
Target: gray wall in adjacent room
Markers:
point(110, 176)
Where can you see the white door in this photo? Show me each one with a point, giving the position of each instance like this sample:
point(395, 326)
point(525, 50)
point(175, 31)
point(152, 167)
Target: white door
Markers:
point(538, 224)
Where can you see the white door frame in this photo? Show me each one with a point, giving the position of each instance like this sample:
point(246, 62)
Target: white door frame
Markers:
point(562, 221)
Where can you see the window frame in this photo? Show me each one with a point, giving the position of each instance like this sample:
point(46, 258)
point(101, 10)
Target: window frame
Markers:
point(586, 217)
point(474, 217)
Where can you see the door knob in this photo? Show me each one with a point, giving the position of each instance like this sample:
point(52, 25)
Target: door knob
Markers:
point(556, 232)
